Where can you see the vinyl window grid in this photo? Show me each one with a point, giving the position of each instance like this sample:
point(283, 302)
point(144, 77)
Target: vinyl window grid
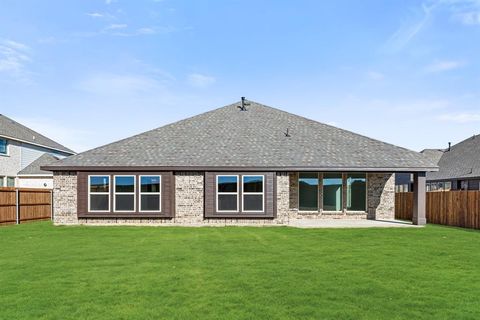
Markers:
point(228, 193)
point(124, 193)
point(98, 193)
point(159, 193)
point(244, 193)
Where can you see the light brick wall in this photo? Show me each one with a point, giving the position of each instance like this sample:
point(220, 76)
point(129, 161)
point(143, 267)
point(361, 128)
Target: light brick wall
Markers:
point(65, 198)
point(189, 202)
point(381, 195)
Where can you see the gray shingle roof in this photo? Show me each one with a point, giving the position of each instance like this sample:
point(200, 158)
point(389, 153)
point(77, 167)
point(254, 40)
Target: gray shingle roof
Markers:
point(228, 137)
point(12, 129)
point(462, 161)
point(433, 155)
point(34, 167)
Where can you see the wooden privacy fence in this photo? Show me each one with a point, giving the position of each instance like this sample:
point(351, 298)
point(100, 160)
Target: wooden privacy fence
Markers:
point(450, 208)
point(19, 205)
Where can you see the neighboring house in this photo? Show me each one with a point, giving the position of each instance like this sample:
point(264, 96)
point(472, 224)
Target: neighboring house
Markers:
point(19, 147)
point(404, 181)
point(243, 164)
point(32, 176)
point(459, 167)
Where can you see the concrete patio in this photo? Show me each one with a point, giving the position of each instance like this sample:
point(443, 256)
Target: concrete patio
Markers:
point(353, 223)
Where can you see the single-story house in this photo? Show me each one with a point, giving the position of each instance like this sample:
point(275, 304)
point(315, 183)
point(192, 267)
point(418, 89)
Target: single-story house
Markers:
point(243, 164)
point(20, 146)
point(459, 167)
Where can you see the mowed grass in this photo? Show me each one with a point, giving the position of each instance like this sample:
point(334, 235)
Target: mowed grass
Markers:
point(49, 272)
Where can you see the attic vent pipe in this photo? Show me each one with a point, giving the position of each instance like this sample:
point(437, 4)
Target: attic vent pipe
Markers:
point(287, 134)
point(449, 146)
point(244, 105)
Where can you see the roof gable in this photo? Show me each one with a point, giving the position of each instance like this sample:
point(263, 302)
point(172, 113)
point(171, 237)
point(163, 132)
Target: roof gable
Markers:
point(256, 138)
point(16, 131)
point(34, 168)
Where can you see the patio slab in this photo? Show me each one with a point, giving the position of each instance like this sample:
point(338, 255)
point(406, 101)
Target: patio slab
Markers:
point(353, 223)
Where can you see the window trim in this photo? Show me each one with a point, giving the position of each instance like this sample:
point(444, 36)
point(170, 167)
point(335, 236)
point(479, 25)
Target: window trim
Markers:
point(253, 193)
point(140, 193)
point(134, 193)
point(99, 193)
point(228, 193)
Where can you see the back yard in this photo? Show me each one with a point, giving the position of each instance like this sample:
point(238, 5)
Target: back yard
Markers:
point(51, 272)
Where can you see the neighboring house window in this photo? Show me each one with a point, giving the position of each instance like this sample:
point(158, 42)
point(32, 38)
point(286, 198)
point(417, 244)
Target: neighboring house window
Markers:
point(99, 193)
point(308, 192)
point(2, 181)
point(3, 146)
point(332, 191)
point(448, 186)
point(150, 193)
point(227, 193)
point(10, 181)
point(356, 192)
point(124, 193)
point(253, 193)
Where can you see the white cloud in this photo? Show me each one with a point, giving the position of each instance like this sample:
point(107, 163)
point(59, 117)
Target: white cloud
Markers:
point(95, 15)
point(14, 58)
point(116, 26)
point(468, 18)
point(445, 65)
point(462, 117)
point(200, 80)
point(119, 84)
point(374, 75)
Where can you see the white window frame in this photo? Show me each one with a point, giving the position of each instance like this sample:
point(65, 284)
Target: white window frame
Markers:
point(134, 193)
point(253, 193)
point(100, 193)
point(159, 193)
point(228, 193)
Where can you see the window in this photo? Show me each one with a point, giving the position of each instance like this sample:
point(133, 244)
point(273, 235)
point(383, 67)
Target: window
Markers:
point(227, 193)
point(10, 181)
point(308, 192)
point(99, 193)
point(253, 193)
point(3, 146)
point(124, 194)
point(332, 192)
point(150, 193)
point(2, 181)
point(448, 186)
point(356, 192)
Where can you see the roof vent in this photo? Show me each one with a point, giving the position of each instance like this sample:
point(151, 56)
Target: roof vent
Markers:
point(449, 146)
point(287, 134)
point(244, 105)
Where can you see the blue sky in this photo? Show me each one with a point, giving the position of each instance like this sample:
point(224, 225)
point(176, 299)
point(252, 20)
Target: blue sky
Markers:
point(87, 73)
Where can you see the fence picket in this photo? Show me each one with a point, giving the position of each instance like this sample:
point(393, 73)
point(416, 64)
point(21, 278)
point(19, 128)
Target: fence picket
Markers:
point(34, 204)
point(451, 208)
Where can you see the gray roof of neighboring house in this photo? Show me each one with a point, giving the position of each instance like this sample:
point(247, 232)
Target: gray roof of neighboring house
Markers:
point(461, 162)
point(433, 155)
point(34, 167)
point(16, 131)
point(231, 138)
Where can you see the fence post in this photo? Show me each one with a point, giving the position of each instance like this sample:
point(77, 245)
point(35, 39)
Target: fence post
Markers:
point(17, 203)
point(51, 204)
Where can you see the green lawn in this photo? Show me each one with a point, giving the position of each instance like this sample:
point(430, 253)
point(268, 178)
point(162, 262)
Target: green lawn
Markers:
point(49, 272)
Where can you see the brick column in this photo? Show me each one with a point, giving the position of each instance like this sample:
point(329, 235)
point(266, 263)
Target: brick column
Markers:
point(419, 197)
